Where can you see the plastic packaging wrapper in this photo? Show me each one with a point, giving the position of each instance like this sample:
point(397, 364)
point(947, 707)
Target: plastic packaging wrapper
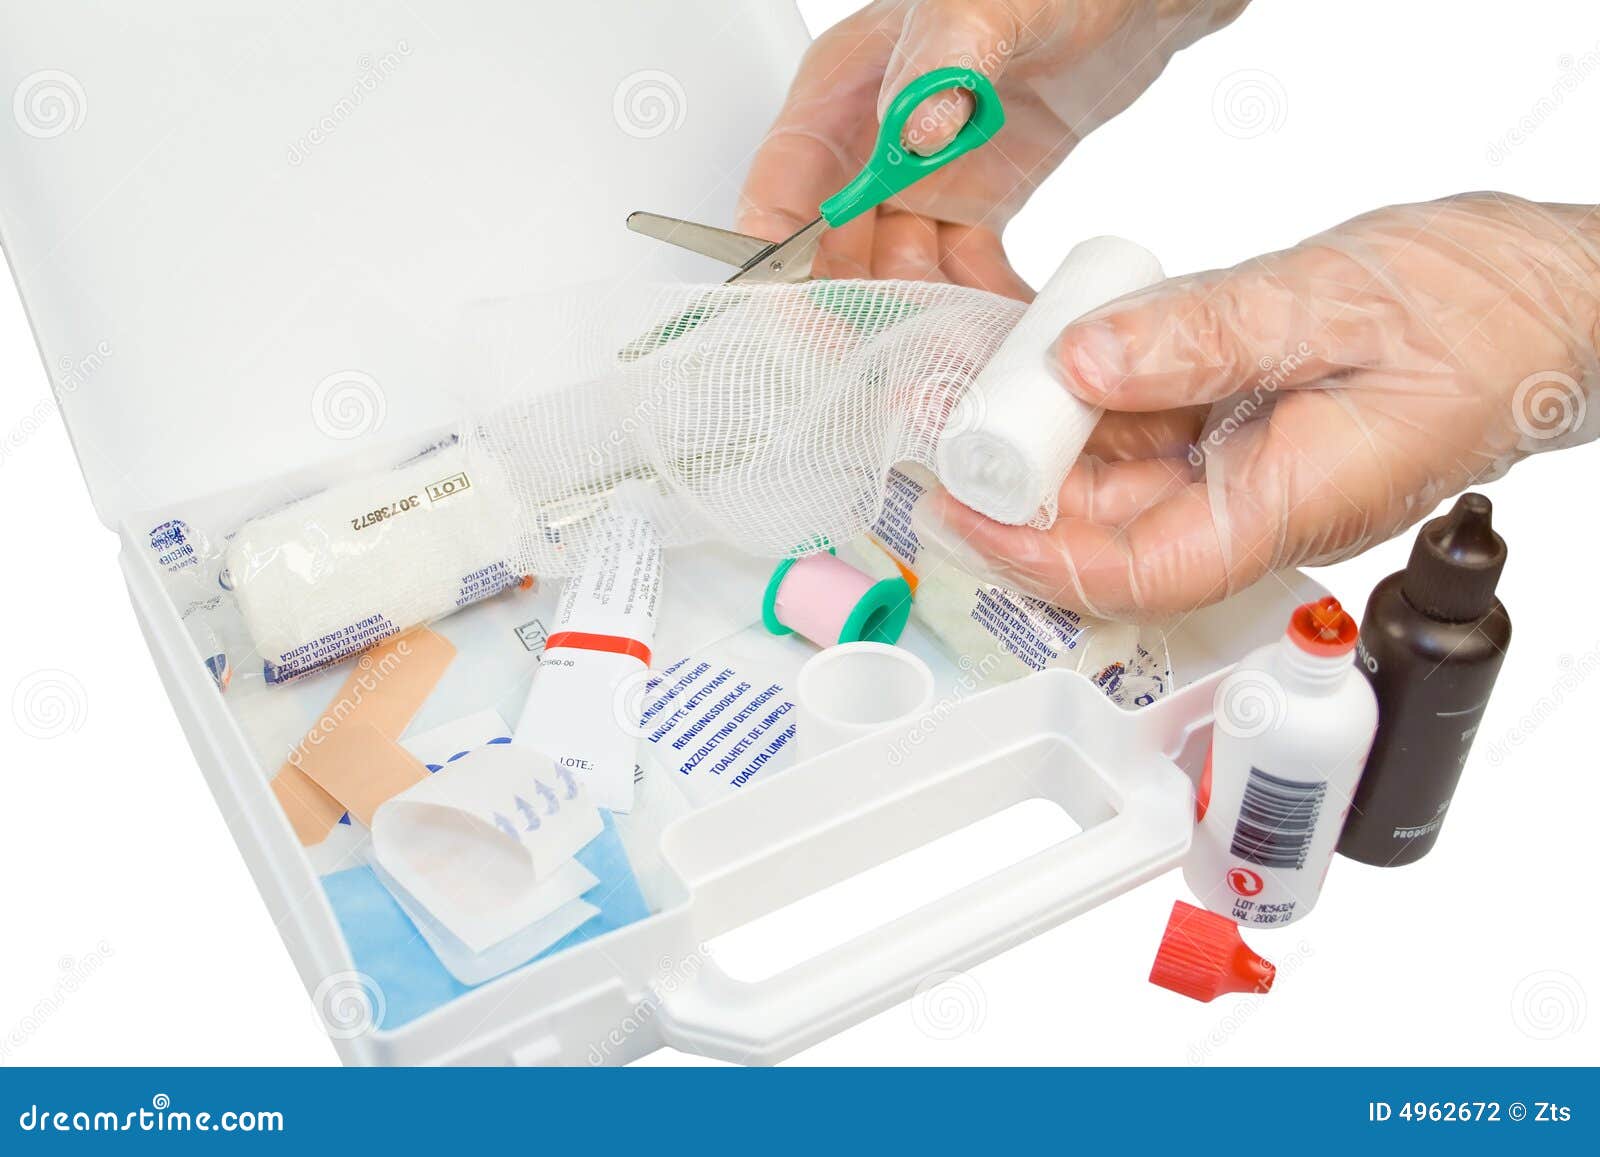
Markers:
point(1002, 634)
point(335, 573)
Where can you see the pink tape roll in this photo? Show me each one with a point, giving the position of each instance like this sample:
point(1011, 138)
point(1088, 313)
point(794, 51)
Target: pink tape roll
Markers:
point(818, 594)
point(829, 601)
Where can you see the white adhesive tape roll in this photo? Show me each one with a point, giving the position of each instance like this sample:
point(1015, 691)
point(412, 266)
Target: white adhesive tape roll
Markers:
point(858, 689)
point(1017, 431)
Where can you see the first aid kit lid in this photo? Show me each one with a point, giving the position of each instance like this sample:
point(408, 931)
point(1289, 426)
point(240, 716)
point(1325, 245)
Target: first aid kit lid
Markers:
point(245, 241)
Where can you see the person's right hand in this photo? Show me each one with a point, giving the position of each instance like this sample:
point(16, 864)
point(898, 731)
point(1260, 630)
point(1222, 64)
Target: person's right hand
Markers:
point(1061, 67)
point(1301, 406)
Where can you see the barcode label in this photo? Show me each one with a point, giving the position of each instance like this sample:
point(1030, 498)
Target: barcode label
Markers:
point(1277, 820)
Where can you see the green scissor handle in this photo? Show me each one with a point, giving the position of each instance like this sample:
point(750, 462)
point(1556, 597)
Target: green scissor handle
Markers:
point(892, 167)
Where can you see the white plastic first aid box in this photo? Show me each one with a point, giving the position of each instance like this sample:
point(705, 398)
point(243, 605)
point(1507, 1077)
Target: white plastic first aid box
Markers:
point(246, 199)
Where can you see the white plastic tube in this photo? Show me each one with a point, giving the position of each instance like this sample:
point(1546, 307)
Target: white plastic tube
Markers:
point(1017, 431)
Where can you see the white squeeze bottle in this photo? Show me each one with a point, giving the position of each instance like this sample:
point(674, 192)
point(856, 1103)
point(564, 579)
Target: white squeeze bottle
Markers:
point(1294, 723)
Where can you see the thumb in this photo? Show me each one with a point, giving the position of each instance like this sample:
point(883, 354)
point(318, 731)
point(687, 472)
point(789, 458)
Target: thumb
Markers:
point(979, 34)
point(1282, 321)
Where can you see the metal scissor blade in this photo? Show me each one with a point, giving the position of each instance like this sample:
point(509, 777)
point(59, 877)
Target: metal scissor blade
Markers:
point(722, 245)
point(787, 261)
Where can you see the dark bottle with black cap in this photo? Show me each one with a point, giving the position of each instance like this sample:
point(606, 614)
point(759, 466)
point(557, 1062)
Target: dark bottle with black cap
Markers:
point(1432, 642)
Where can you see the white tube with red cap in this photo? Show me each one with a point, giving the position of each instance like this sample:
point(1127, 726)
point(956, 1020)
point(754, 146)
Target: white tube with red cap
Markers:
point(1294, 723)
point(597, 653)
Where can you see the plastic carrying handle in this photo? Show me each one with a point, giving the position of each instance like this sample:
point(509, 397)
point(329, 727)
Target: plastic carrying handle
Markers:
point(893, 167)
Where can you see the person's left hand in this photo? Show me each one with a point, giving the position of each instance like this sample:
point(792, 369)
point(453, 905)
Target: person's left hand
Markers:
point(1060, 67)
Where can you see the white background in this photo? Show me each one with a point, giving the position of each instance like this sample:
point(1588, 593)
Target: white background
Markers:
point(112, 851)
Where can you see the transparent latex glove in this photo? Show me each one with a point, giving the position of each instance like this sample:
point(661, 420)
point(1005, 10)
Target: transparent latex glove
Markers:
point(1305, 405)
point(1061, 68)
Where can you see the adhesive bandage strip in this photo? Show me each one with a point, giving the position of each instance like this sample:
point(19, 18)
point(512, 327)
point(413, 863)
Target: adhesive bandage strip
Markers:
point(384, 690)
point(361, 767)
point(1016, 431)
point(576, 711)
point(332, 574)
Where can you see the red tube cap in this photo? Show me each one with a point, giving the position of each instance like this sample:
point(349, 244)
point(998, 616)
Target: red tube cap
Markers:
point(1202, 957)
point(1323, 628)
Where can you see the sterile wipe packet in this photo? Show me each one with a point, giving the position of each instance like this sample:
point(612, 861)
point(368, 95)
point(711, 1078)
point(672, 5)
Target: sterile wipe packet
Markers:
point(470, 967)
point(486, 844)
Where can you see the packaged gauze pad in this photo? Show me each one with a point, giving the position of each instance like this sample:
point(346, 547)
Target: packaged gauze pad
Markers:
point(1000, 633)
point(333, 574)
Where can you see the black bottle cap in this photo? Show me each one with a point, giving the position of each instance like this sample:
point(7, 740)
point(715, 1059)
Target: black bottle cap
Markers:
point(1455, 563)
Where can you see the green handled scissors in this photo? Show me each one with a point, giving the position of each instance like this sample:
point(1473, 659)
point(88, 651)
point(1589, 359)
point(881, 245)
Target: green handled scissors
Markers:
point(891, 168)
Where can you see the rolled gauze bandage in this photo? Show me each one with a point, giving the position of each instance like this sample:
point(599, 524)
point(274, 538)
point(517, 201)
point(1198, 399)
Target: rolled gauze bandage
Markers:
point(1017, 431)
point(339, 571)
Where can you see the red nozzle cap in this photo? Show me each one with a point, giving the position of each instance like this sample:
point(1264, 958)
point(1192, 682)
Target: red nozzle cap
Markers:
point(1323, 628)
point(1202, 956)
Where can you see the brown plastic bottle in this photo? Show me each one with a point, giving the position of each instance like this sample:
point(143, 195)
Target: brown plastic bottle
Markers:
point(1432, 642)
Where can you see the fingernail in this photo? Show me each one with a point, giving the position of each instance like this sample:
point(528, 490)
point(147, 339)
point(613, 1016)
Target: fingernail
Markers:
point(1094, 357)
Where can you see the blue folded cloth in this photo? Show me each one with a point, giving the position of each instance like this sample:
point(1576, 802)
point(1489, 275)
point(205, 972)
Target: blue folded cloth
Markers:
point(388, 948)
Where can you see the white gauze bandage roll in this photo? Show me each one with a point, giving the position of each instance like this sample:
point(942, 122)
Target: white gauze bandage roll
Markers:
point(335, 573)
point(1016, 431)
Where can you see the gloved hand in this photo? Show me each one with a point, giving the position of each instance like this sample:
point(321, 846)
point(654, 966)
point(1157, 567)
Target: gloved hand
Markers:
point(1061, 68)
point(1302, 406)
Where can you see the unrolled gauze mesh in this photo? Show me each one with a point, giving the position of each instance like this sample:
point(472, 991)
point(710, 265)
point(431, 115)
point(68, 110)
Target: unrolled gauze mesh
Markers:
point(767, 416)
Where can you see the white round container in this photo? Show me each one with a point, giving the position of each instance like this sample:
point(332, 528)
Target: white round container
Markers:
point(856, 689)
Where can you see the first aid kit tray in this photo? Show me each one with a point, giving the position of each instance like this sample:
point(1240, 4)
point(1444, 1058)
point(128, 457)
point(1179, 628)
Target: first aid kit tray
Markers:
point(266, 231)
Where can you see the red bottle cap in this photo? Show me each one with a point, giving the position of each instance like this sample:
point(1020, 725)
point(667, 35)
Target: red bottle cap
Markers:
point(1323, 628)
point(1202, 956)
